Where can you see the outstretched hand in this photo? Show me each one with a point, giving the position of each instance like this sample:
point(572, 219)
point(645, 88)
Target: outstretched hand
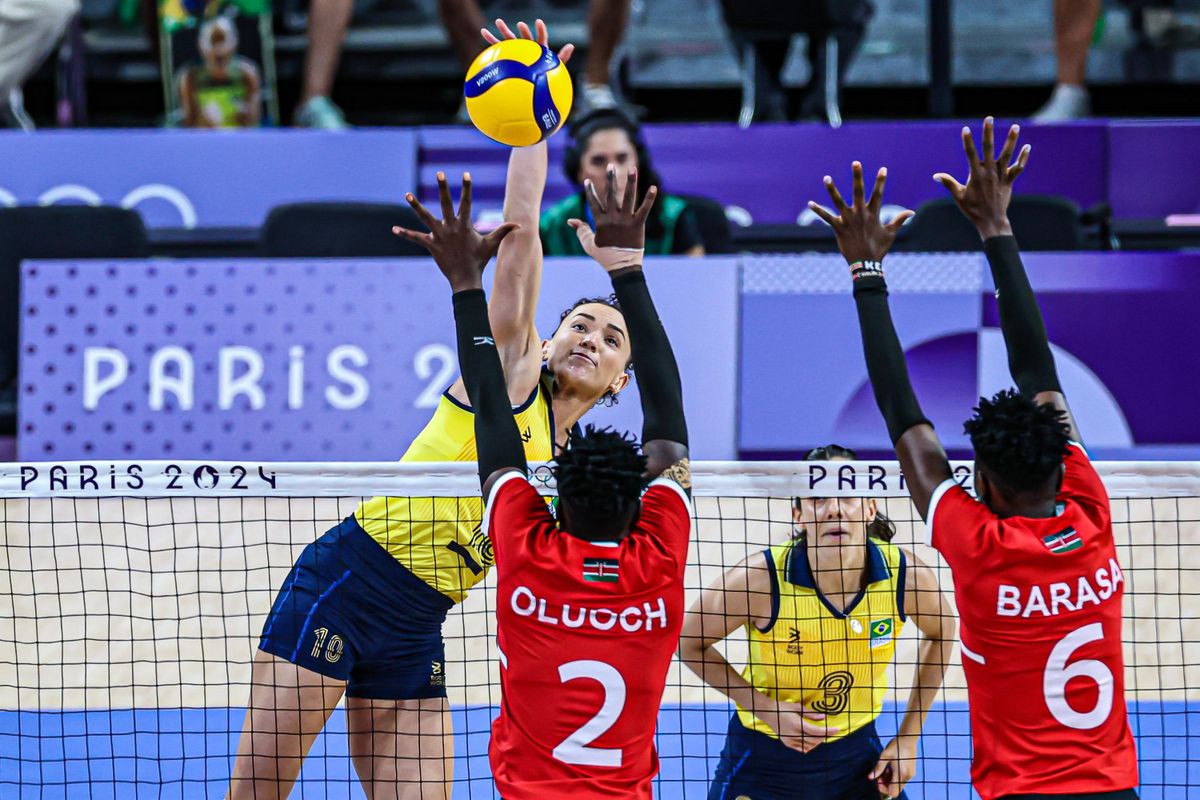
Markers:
point(985, 197)
point(461, 252)
point(542, 38)
point(620, 236)
point(861, 234)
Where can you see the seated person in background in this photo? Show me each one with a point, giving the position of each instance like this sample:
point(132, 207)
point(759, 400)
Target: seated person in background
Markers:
point(610, 137)
point(225, 90)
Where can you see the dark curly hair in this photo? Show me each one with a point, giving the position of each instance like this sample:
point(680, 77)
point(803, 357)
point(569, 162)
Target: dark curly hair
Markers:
point(600, 477)
point(881, 527)
point(1021, 443)
point(609, 398)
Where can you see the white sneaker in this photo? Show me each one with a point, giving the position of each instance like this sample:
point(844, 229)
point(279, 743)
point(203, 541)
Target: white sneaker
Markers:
point(1067, 103)
point(597, 96)
point(321, 113)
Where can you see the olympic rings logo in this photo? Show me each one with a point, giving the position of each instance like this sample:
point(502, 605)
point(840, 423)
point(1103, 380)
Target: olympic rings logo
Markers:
point(148, 191)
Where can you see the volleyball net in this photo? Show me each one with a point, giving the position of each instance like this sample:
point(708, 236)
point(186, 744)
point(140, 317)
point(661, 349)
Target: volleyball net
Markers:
point(132, 596)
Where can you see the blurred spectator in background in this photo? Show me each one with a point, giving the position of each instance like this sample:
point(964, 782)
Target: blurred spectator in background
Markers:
point(29, 29)
point(608, 137)
point(327, 24)
point(1074, 27)
point(225, 90)
point(607, 20)
point(762, 32)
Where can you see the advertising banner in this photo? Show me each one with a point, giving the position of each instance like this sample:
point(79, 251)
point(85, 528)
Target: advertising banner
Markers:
point(190, 179)
point(1118, 325)
point(307, 360)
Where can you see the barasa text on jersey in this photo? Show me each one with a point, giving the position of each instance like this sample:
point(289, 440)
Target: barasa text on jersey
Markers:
point(631, 619)
point(1055, 598)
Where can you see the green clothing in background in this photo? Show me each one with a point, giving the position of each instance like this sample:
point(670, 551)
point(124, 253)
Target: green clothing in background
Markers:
point(679, 230)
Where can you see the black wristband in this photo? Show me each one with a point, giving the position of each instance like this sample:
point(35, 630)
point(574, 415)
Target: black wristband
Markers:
point(497, 440)
point(659, 384)
point(886, 366)
point(1029, 358)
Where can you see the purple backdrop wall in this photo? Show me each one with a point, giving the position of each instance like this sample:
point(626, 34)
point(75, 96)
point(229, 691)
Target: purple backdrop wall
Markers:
point(304, 360)
point(162, 359)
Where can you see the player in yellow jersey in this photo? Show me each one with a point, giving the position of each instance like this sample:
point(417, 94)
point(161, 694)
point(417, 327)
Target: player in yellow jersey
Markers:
point(360, 614)
point(822, 612)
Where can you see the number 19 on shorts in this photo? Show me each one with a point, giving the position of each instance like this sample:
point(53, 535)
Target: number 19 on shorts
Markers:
point(333, 651)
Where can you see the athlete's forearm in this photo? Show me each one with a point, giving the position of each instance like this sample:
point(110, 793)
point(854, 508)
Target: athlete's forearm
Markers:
point(717, 672)
point(1029, 358)
point(932, 661)
point(497, 439)
point(518, 276)
point(659, 384)
point(885, 358)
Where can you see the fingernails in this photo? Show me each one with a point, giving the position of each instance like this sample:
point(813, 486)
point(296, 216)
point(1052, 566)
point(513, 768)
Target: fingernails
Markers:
point(441, 176)
point(883, 171)
point(409, 197)
point(466, 176)
point(966, 131)
point(396, 229)
point(856, 165)
point(812, 204)
point(1016, 128)
point(828, 180)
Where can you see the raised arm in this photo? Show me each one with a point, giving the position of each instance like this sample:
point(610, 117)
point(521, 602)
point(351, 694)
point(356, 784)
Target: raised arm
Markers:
point(984, 200)
point(462, 255)
point(518, 276)
point(618, 245)
point(864, 240)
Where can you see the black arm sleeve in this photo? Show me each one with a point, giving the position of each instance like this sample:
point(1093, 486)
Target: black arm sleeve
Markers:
point(1029, 357)
point(497, 439)
point(885, 358)
point(657, 373)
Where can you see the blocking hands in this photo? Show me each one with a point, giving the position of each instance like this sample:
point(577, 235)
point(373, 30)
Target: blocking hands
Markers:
point(619, 240)
point(461, 252)
point(861, 233)
point(985, 197)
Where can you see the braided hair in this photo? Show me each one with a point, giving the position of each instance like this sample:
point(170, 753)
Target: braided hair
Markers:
point(1021, 443)
point(600, 477)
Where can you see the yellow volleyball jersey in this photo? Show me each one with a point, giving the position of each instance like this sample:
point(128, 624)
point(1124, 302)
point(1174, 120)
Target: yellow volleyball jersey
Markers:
point(833, 662)
point(439, 539)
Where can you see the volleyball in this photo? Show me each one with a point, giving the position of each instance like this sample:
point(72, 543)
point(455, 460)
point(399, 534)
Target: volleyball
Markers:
point(518, 92)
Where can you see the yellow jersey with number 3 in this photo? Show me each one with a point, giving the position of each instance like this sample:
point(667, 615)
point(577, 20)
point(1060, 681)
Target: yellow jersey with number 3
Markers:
point(833, 662)
point(439, 539)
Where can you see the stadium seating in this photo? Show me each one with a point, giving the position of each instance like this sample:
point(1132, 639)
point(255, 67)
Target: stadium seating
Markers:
point(338, 230)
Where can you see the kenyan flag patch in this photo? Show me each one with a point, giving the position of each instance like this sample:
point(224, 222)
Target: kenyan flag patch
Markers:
point(1063, 541)
point(602, 570)
point(881, 632)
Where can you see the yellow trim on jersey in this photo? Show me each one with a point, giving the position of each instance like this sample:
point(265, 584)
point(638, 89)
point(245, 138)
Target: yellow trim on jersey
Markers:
point(439, 539)
point(834, 663)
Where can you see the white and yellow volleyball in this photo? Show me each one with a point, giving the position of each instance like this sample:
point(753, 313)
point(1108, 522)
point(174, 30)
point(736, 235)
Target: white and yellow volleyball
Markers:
point(518, 92)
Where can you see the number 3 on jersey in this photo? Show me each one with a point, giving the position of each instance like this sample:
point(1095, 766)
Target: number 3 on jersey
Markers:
point(1058, 673)
point(574, 749)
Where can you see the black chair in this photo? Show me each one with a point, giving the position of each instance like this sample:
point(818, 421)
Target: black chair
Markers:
point(762, 31)
point(37, 232)
point(339, 230)
point(1040, 222)
point(714, 227)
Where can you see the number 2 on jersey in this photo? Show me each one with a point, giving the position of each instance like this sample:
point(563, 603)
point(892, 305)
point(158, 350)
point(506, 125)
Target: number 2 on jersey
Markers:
point(574, 749)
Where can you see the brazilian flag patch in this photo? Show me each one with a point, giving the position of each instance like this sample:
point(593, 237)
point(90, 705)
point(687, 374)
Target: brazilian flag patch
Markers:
point(881, 632)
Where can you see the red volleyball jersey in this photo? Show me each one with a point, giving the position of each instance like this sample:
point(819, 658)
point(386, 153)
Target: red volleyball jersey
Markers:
point(586, 632)
point(1040, 606)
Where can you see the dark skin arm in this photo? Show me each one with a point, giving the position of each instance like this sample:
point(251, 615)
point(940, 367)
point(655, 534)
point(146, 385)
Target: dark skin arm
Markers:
point(862, 236)
point(462, 254)
point(622, 224)
point(984, 200)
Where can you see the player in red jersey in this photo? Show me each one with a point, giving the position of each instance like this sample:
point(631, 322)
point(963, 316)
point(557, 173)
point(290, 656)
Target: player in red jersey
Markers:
point(1037, 581)
point(589, 609)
